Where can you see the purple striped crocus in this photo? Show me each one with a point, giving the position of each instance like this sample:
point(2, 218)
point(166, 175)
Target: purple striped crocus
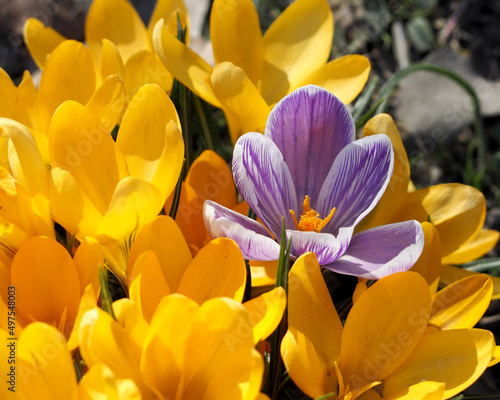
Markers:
point(309, 170)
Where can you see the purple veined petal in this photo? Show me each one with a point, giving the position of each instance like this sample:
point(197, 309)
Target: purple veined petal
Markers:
point(264, 181)
point(326, 246)
point(254, 240)
point(381, 251)
point(356, 182)
point(310, 126)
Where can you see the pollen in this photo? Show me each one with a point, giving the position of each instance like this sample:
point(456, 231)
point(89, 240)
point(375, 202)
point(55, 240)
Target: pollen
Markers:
point(310, 220)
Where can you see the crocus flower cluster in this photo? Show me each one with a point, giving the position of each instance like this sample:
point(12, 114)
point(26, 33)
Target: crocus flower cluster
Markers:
point(130, 269)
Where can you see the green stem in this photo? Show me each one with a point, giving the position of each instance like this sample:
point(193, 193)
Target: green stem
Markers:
point(177, 193)
point(364, 99)
point(391, 84)
point(207, 124)
point(106, 298)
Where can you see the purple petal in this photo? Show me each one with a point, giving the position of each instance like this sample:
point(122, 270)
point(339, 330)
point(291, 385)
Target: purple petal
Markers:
point(254, 240)
point(327, 247)
point(356, 182)
point(382, 251)
point(264, 181)
point(310, 126)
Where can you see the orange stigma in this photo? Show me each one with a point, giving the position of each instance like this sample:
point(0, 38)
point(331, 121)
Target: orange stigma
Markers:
point(310, 220)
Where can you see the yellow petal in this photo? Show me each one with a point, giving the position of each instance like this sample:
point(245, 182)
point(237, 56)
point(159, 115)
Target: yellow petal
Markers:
point(71, 206)
point(345, 77)
point(103, 340)
point(108, 101)
point(220, 336)
point(397, 188)
point(82, 145)
point(383, 327)
point(27, 167)
point(111, 60)
point(88, 301)
point(162, 356)
point(117, 21)
point(463, 303)
point(211, 179)
point(218, 270)
point(304, 365)
point(134, 204)
point(186, 66)
point(58, 83)
point(311, 312)
point(236, 36)
point(237, 93)
point(44, 365)
point(475, 248)
point(429, 263)
point(88, 259)
point(291, 53)
point(19, 102)
point(148, 284)
point(456, 357)
point(495, 359)
point(457, 211)
point(150, 140)
point(100, 382)
point(145, 67)
point(426, 390)
point(15, 205)
point(165, 239)
point(40, 40)
point(263, 272)
point(266, 312)
point(450, 274)
point(168, 10)
point(128, 315)
point(48, 288)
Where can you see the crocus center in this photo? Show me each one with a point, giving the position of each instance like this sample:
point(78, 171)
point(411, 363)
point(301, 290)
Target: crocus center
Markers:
point(310, 220)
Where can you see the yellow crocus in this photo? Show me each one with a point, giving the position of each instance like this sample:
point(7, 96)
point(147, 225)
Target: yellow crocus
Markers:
point(43, 369)
point(160, 263)
point(457, 211)
point(254, 71)
point(107, 190)
point(385, 349)
point(118, 41)
point(187, 351)
point(52, 287)
point(34, 107)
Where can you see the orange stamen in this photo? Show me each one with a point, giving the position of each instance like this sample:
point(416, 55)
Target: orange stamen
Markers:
point(310, 220)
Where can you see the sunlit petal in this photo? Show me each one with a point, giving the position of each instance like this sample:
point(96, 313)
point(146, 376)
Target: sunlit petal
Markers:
point(291, 53)
point(456, 357)
point(185, 64)
point(117, 21)
point(265, 313)
point(58, 83)
point(40, 40)
point(240, 96)
point(457, 211)
point(475, 248)
point(218, 270)
point(463, 303)
point(345, 77)
point(383, 327)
